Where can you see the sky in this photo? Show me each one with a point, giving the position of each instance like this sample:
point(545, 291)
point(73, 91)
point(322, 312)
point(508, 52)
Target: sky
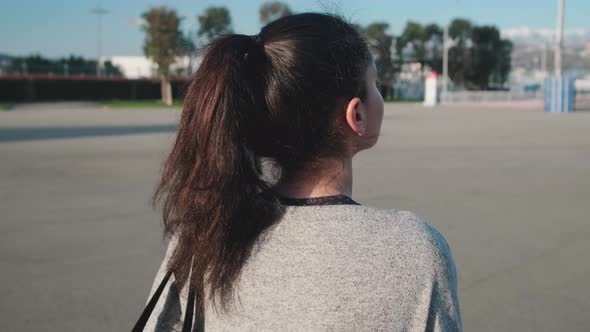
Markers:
point(57, 28)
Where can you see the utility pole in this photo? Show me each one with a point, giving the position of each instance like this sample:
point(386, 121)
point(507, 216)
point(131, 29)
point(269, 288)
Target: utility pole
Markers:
point(445, 62)
point(544, 59)
point(559, 38)
point(99, 12)
point(559, 90)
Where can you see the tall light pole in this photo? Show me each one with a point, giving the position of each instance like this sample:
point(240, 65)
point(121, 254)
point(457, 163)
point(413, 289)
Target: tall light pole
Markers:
point(445, 62)
point(559, 37)
point(544, 59)
point(99, 12)
point(559, 90)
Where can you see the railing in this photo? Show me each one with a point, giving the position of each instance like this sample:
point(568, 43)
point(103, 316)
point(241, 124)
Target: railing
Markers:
point(452, 97)
point(508, 99)
point(81, 77)
point(583, 100)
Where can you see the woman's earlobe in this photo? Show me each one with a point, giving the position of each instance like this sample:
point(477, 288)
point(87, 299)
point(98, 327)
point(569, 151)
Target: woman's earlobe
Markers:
point(354, 117)
point(361, 126)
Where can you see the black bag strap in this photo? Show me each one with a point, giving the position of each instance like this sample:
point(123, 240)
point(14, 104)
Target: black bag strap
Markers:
point(188, 316)
point(145, 315)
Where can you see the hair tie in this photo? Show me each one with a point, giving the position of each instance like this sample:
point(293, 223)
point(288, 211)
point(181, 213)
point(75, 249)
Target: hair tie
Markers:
point(259, 43)
point(256, 38)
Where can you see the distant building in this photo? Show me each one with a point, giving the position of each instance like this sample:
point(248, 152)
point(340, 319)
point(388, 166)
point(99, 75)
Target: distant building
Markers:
point(410, 81)
point(583, 84)
point(5, 62)
point(143, 67)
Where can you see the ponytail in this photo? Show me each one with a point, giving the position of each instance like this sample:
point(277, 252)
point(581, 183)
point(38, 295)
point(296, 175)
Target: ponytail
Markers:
point(211, 187)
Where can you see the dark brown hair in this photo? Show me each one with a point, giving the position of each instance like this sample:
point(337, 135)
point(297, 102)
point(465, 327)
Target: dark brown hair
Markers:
point(267, 97)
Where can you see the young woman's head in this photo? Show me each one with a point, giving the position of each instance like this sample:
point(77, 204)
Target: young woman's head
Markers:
point(301, 91)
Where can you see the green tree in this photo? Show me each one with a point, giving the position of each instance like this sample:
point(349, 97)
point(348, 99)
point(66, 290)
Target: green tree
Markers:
point(185, 45)
point(479, 57)
point(459, 59)
point(434, 47)
point(111, 70)
point(77, 65)
point(380, 43)
point(34, 64)
point(490, 57)
point(273, 10)
point(504, 63)
point(161, 42)
point(72, 65)
point(485, 40)
point(413, 35)
point(215, 21)
point(422, 44)
point(460, 30)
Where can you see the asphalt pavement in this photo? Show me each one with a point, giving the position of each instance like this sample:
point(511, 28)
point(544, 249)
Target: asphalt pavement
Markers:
point(508, 188)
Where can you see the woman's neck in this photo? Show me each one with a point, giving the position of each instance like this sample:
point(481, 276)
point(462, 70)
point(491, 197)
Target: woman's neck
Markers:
point(333, 178)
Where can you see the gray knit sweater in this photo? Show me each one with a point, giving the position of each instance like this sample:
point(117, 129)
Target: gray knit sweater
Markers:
point(334, 268)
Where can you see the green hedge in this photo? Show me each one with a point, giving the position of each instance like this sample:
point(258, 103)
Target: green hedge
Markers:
point(53, 89)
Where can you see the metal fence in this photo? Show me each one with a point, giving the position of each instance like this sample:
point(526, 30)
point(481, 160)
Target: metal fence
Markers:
point(583, 100)
point(515, 99)
point(17, 88)
point(451, 97)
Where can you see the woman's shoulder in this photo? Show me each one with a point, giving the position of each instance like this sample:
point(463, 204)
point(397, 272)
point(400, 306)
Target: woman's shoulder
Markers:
point(390, 226)
point(403, 240)
point(408, 220)
point(392, 218)
point(404, 229)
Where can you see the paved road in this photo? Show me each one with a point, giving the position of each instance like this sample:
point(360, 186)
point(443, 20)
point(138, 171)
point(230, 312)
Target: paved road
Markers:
point(79, 243)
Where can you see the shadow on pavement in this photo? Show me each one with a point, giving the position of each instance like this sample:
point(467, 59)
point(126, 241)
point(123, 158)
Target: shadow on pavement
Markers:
point(48, 133)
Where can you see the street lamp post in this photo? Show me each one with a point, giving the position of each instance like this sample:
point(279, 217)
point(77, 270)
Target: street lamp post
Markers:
point(559, 38)
point(445, 77)
point(559, 89)
point(99, 11)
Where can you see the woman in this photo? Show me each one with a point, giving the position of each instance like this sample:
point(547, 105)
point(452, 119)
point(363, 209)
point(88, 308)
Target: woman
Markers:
point(257, 197)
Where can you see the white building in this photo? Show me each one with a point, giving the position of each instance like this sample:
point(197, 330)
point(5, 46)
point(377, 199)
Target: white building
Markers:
point(143, 67)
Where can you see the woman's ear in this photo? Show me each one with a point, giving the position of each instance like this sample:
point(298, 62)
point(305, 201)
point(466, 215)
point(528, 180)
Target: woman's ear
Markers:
point(356, 117)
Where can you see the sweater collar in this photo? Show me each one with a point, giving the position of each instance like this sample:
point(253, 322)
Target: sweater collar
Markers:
point(322, 200)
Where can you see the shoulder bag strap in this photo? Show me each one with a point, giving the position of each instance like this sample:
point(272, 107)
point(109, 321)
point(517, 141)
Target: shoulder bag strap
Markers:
point(188, 316)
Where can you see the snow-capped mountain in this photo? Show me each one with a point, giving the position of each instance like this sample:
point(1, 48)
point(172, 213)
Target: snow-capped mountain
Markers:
point(530, 36)
point(533, 51)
